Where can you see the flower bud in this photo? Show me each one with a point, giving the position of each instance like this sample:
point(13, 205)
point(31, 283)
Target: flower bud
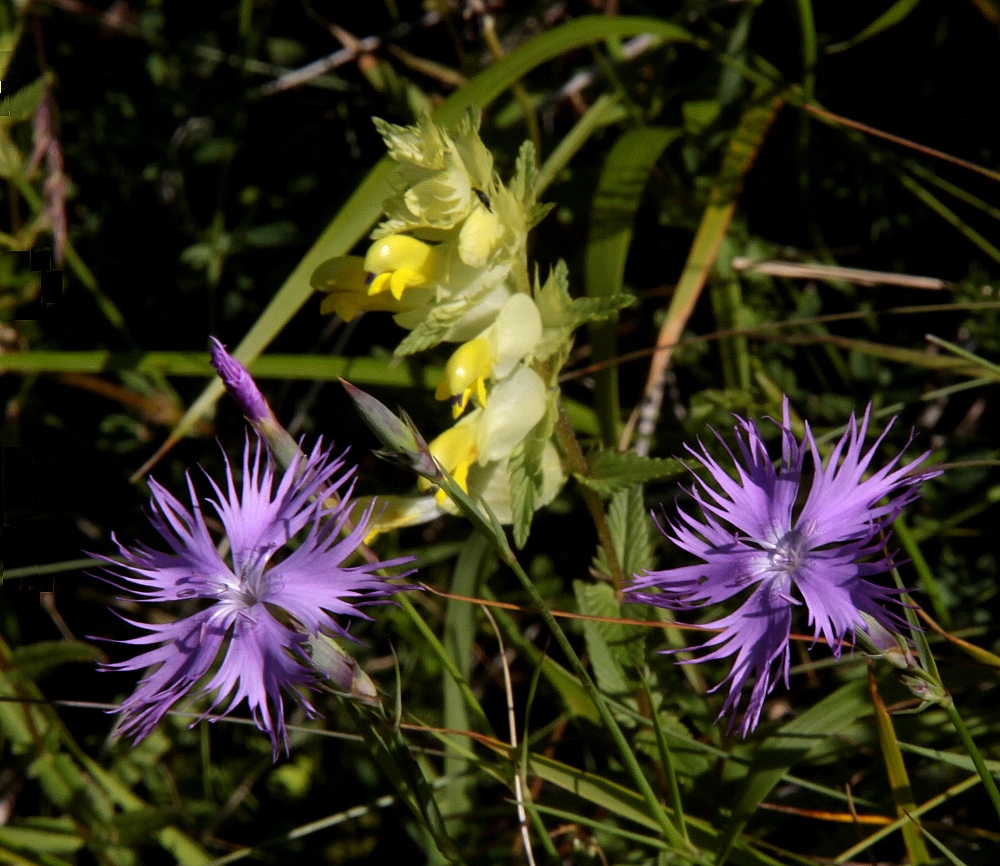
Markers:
point(341, 669)
point(404, 445)
point(242, 388)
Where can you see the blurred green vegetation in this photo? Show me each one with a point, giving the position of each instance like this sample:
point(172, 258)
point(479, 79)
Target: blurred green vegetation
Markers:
point(194, 175)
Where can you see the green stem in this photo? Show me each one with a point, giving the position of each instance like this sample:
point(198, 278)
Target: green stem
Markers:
point(577, 464)
point(963, 732)
point(628, 756)
point(667, 759)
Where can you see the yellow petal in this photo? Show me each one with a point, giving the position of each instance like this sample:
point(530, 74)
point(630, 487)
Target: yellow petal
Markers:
point(402, 279)
point(399, 251)
point(469, 363)
point(344, 273)
point(380, 283)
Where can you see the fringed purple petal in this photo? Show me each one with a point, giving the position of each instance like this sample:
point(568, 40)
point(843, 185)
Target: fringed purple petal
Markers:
point(757, 634)
point(259, 666)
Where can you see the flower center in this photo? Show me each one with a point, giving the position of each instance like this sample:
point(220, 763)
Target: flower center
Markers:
point(789, 552)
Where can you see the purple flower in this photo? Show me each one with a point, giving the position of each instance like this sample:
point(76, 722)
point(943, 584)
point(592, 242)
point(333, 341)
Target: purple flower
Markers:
point(753, 538)
point(261, 609)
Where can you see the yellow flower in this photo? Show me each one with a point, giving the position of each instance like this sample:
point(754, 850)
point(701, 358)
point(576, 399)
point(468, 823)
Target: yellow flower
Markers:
point(465, 374)
point(456, 450)
point(493, 354)
point(399, 262)
point(345, 281)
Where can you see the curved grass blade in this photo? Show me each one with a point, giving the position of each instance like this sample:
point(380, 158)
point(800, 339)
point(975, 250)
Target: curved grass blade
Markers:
point(616, 201)
point(603, 112)
point(899, 779)
point(746, 142)
point(783, 750)
point(890, 18)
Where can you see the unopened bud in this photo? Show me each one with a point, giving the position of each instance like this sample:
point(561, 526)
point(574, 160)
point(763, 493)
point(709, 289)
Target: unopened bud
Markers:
point(404, 446)
point(242, 388)
point(341, 669)
point(883, 643)
point(929, 692)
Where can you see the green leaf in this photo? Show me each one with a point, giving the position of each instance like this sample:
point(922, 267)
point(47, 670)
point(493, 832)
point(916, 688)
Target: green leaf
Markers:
point(616, 201)
point(459, 644)
point(42, 835)
point(435, 327)
point(605, 111)
point(620, 801)
point(585, 310)
point(745, 144)
point(598, 599)
point(134, 828)
point(631, 530)
point(899, 779)
point(37, 659)
point(790, 745)
point(23, 104)
point(526, 476)
point(948, 215)
point(524, 183)
point(611, 470)
point(890, 18)
point(569, 688)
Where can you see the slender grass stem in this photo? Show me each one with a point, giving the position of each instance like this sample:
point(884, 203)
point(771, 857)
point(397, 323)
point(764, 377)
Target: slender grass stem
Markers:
point(984, 772)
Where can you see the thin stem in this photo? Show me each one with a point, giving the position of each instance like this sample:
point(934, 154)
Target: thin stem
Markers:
point(963, 732)
point(667, 759)
point(577, 464)
point(628, 756)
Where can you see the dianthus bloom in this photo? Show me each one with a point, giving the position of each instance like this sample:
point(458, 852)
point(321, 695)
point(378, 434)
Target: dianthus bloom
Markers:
point(823, 552)
point(261, 608)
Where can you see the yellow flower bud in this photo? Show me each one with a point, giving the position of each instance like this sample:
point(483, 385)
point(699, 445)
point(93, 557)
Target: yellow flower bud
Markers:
point(399, 262)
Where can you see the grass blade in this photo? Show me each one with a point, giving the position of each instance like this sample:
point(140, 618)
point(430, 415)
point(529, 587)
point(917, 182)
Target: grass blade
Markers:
point(616, 200)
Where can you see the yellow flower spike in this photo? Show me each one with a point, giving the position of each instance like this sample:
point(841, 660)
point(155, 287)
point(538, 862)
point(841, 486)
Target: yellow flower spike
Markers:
point(465, 374)
point(399, 262)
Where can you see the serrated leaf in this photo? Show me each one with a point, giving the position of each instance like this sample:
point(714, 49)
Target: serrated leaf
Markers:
point(598, 599)
point(535, 213)
point(527, 480)
point(613, 470)
point(37, 659)
point(597, 309)
point(631, 530)
point(525, 179)
point(434, 328)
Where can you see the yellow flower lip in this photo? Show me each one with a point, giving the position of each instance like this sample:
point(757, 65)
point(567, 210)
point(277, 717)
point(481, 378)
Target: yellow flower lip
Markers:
point(465, 375)
point(456, 450)
point(398, 262)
